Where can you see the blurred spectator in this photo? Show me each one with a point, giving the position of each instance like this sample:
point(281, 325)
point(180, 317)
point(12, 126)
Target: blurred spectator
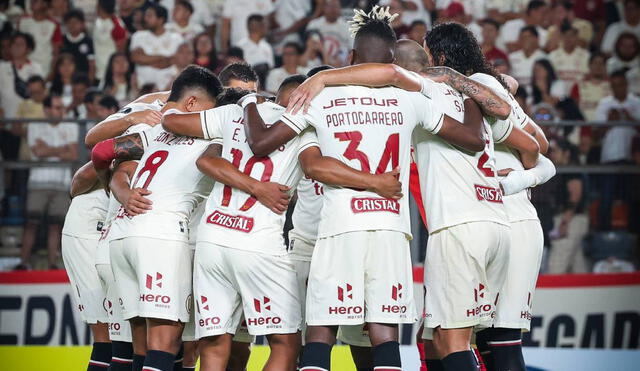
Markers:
point(152, 48)
point(63, 71)
point(561, 13)
point(627, 56)
point(570, 61)
point(234, 22)
point(521, 61)
point(127, 10)
point(14, 75)
point(290, 17)
point(205, 53)
point(119, 80)
point(398, 24)
point(33, 107)
point(239, 75)
point(201, 14)
point(45, 32)
point(183, 57)
point(535, 17)
point(255, 47)
point(109, 35)
point(570, 221)
point(58, 9)
point(90, 105)
point(5, 45)
point(182, 24)
point(420, 10)
point(417, 31)
point(79, 86)
point(107, 106)
point(545, 86)
point(613, 265)
point(630, 23)
point(290, 66)
point(234, 55)
point(616, 143)
point(335, 33)
point(314, 54)
point(455, 12)
point(148, 89)
point(504, 10)
point(595, 86)
point(49, 186)
point(77, 43)
point(490, 32)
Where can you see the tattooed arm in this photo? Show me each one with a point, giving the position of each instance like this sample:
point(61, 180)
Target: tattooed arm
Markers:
point(127, 147)
point(490, 103)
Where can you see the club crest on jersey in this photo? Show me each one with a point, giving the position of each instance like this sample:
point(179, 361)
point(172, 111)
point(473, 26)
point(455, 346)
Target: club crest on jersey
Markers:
point(235, 222)
point(488, 194)
point(374, 204)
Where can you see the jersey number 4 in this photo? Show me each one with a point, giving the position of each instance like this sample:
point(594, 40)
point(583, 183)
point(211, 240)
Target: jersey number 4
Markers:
point(248, 167)
point(391, 151)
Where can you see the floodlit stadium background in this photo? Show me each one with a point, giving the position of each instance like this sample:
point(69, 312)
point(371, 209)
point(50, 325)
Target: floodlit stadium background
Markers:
point(587, 306)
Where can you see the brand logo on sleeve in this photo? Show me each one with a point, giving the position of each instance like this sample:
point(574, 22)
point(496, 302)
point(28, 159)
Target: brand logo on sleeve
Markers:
point(235, 222)
point(374, 204)
point(488, 194)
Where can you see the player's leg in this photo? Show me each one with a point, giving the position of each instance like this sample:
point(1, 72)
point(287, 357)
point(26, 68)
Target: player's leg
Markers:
point(388, 294)
point(138, 342)
point(335, 295)
point(218, 306)
point(284, 351)
point(36, 207)
point(190, 356)
point(59, 204)
point(357, 337)
point(240, 353)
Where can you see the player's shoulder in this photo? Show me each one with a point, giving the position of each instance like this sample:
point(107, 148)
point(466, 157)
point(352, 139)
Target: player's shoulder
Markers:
point(270, 112)
point(138, 128)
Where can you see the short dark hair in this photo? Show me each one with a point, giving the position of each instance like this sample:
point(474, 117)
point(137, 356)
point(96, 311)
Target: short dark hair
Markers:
point(254, 18)
point(91, 95)
point(321, 68)
point(566, 26)
point(295, 45)
point(230, 96)
point(237, 71)
point(492, 22)
point(185, 4)
point(531, 29)
point(160, 11)
point(535, 4)
point(290, 80)
point(49, 98)
point(595, 55)
point(28, 39)
point(109, 102)
point(195, 77)
point(417, 22)
point(236, 52)
point(108, 6)
point(74, 14)
point(619, 73)
point(35, 79)
point(80, 78)
point(568, 5)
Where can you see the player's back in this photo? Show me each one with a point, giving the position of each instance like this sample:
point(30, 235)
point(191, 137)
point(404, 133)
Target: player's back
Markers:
point(234, 218)
point(168, 170)
point(370, 130)
point(457, 186)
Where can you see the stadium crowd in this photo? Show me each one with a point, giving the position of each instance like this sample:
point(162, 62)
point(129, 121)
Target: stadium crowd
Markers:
point(574, 60)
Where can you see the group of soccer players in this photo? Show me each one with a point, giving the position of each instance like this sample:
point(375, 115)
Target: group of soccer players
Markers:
point(186, 256)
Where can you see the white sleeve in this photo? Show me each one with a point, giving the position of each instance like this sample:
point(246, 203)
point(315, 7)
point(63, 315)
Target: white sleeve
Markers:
point(501, 130)
point(308, 138)
point(33, 133)
point(297, 122)
point(602, 111)
point(71, 133)
point(136, 41)
point(212, 120)
point(519, 180)
point(492, 83)
point(430, 117)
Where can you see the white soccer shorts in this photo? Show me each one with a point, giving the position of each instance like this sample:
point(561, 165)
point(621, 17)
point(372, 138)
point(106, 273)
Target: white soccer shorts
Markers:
point(465, 268)
point(514, 304)
point(119, 329)
point(356, 335)
point(79, 255)
point(229, 282)
point(363, 276)
point(154, 277)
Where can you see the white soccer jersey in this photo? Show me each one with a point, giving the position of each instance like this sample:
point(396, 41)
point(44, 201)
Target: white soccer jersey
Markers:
point(306, 214)
point(135, 107)
point(368, 129)
point(86, 215)
point(233, 218)
point(518, 206)
point(167, 169)
point(457, 186)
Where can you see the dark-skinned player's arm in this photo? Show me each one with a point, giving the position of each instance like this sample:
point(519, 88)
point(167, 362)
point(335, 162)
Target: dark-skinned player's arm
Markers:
point(468, 135)
point(330, 171)
point(132, 199)
point(262, 139)
point(526, 145)
point(272, 195)
point(380, 74)
point(84, 180)
point(536, 132)
point(110, 128)
point(186, 124)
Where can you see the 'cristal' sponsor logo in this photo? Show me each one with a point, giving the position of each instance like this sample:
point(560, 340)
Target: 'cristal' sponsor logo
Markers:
point(237, 222)
point(488, 194)
point(373, 204)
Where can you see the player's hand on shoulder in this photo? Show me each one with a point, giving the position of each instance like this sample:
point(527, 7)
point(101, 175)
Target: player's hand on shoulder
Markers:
point(387, 184)
point(274, 196)
point(303, 95)
point(149, 117)
point(136, 202)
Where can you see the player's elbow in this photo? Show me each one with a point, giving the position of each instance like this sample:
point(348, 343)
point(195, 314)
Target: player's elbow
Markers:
point(259, 148)
point(503, 111)
point(543, 144)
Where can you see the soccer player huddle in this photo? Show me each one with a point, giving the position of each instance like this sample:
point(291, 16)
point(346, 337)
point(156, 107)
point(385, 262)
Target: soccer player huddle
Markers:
point(184, 255)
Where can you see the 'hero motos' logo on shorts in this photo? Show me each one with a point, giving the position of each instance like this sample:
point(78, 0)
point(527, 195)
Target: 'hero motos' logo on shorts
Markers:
point(373, 204)
point(396, 295)
point(237, 222)
point(345, 293)
point(488, 194)
point(262, 306)
point(209, 323)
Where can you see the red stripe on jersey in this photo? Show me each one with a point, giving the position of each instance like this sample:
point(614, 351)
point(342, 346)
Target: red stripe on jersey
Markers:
point(414, 188)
